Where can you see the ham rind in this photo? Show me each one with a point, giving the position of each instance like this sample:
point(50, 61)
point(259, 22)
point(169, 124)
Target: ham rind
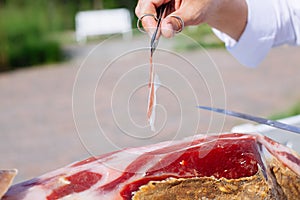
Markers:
point(286, 155)
point(119, 174)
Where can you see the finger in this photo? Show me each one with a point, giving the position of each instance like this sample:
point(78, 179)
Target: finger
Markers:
point(148, 7)
point(176, 20)
point(167, 29)
point(171, 25)
point(149, 23)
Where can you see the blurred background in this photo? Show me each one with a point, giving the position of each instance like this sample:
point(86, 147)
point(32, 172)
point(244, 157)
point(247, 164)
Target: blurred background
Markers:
point(64, 99)
point(33, 32)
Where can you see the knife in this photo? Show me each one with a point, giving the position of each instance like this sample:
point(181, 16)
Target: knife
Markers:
point(259, 120)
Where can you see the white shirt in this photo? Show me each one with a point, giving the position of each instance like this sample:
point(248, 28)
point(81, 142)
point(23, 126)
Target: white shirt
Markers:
point(270, 23)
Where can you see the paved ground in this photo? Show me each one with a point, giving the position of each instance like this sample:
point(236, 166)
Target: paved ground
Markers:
point(95, 103)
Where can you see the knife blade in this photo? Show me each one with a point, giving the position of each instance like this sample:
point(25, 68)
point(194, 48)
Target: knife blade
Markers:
point(256, 119)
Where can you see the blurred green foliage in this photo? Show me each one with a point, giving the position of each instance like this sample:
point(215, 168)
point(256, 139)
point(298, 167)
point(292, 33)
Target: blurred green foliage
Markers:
point(27, 28)
point(25, 34)
point(292, 111)
point(200, 37)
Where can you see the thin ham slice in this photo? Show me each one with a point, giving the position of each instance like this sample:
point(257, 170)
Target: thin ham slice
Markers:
point(153, 86)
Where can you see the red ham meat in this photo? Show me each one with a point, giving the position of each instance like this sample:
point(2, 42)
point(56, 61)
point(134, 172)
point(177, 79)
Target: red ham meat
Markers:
point(222, 164)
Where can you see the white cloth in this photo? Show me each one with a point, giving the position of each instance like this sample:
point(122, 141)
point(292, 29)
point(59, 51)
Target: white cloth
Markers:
point(270, 23)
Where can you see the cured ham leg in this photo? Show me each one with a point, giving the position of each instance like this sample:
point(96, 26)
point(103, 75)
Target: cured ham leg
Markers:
point(222, 166)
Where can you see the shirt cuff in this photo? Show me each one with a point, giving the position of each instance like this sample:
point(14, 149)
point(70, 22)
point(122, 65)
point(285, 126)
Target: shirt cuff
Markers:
point(294, 6)
point(258, 36)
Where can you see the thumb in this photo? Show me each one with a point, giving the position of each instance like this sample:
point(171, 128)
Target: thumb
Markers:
point(173, 23)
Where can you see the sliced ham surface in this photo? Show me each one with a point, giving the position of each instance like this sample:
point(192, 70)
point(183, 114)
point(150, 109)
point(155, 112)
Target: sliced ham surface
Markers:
point(118, 175)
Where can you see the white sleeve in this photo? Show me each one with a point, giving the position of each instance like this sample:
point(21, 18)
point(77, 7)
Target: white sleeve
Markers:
point(270, 23)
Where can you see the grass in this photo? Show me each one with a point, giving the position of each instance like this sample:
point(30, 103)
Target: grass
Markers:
point(198, 36)
point(294, 110)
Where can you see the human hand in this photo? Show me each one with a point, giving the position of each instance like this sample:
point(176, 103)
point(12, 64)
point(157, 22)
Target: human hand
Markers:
point(228, 16)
